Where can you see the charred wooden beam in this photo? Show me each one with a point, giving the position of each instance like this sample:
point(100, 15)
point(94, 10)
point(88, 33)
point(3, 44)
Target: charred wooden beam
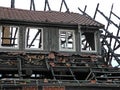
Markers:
point(84, 13)
point(15, 35)
point(96, 11)
point(40, 41)
point(108, 19)
point(32, 5)
point(114, 47)
point(34, 38)
point(111, 51)
point(47, 4)
point(11, 34)
point(12, 3)
point(110, 35)
point(85, 8)
point(116, 15)
point(28, 36)
point(63, 2)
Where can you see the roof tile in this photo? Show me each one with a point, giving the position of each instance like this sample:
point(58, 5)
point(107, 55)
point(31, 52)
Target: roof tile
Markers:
point(47, 16)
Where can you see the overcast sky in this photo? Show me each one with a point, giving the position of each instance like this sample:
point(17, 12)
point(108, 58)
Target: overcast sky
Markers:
point(72, 4)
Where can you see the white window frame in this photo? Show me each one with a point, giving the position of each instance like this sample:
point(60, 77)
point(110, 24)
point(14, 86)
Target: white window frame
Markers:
point(17, 37)
point(67, 49)
point(41, 39)
point(89, 51)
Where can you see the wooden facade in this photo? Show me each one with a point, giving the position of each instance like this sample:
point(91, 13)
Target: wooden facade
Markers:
point(51, 40)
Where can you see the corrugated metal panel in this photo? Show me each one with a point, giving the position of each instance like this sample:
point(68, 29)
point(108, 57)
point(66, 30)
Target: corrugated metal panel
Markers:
point(53, 88)
point(30, 88)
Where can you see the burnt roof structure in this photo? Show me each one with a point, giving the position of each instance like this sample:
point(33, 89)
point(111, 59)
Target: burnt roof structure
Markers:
point(82, 65)
point(46, 17)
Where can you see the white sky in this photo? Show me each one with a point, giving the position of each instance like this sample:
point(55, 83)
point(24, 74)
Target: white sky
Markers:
point(72, 4)
point(105, 7)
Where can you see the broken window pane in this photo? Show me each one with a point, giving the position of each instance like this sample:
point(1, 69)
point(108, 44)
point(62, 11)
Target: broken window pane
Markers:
point(34, 38)
point(66, 40)
point(9, 36)
point(88, 41)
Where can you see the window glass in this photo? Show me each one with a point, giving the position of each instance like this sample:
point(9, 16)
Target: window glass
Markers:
point(88, 41)
point(66, 38)
point(34, 38)
point(9, 36)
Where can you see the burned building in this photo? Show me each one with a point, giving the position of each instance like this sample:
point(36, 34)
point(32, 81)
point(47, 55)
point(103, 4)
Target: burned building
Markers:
point(43, 50)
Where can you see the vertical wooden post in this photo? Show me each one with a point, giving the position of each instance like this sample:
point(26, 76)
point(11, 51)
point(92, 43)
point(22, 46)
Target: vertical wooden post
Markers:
point(63, 2)
point(47, 4)
point(96, 11)
point(12, 3)
point(32, 5)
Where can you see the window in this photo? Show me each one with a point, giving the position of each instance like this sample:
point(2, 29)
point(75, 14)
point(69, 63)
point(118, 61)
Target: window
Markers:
point(9, 36)
point(88, 41)
point(34, 38)
point(67, 40)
